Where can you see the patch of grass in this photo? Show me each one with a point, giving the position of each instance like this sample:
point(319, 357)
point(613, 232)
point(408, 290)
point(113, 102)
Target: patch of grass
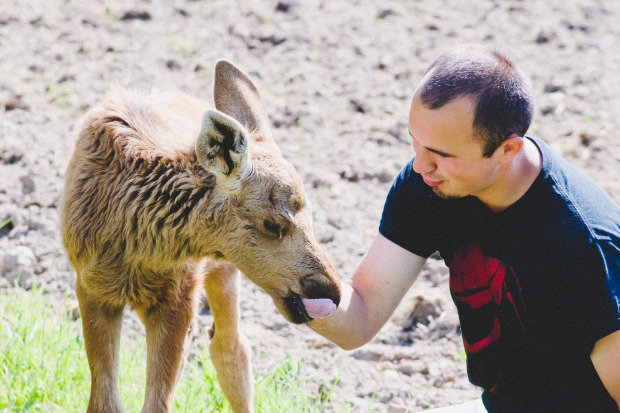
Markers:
point(187, 45)
point(43, 368)
point(284, 390)
point(41, 360)
point(5, 222)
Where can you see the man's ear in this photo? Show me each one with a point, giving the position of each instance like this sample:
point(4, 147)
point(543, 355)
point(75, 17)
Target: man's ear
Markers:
point(511, 147)
point(222, 145)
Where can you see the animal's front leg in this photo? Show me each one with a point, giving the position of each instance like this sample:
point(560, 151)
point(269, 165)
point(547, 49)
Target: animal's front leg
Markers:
point(229, 352)
point(102, 329)
point(167, 325)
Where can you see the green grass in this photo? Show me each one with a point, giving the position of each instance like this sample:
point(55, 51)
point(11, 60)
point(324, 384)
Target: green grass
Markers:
point(5, 222)
point(43, 368)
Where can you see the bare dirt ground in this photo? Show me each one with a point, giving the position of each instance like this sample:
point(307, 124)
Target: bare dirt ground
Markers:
point(336, 78)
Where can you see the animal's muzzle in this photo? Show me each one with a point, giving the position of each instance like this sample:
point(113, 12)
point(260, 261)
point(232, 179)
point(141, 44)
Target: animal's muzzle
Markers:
point(319, 285)
point(312, 286)
point(295, 309)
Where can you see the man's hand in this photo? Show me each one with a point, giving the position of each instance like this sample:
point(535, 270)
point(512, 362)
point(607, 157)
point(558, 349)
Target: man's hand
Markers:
point(606, 360)
point(377, 287)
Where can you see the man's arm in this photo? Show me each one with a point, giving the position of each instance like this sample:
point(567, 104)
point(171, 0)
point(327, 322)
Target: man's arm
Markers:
point(377, 287)
point(606, 360)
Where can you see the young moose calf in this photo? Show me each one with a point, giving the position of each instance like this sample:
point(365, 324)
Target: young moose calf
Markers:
point(162, 194)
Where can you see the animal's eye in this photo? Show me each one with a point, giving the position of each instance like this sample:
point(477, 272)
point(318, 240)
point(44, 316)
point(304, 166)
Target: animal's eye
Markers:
point(273, 228)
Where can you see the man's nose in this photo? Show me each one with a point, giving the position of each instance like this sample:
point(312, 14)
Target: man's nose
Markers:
point(422, 163)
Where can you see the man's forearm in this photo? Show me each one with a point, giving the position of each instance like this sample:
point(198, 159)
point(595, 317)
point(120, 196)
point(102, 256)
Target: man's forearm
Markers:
point(367, 302)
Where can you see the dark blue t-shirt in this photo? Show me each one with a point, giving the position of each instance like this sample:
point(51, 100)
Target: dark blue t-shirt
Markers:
point(535, 285)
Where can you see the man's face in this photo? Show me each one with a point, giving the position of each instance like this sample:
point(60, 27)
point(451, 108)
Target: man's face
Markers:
point(448, 154)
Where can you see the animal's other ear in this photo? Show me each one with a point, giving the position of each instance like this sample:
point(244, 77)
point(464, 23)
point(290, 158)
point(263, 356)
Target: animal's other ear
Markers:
point(222, 145)
point(235, 94)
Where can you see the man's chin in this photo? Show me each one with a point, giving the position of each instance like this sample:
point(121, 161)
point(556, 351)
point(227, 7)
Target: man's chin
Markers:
point(444, 195)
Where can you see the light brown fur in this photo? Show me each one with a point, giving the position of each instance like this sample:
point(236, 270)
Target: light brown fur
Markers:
point(160, 198)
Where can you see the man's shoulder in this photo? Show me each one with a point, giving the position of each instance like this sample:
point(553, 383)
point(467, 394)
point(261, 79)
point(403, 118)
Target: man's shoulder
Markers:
point(575, 201)
point(408, 180)
point(409, 210)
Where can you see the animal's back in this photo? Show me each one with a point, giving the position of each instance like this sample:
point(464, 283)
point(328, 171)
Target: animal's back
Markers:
point(128, 148)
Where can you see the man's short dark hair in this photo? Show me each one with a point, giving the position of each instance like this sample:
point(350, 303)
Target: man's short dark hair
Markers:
point(502, 95)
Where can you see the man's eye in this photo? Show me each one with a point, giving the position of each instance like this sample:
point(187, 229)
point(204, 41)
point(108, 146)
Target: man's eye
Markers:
point(273, 228)
point(441, 154)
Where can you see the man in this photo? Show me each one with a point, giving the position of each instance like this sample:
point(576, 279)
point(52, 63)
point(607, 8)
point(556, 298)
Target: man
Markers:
point(532, 246)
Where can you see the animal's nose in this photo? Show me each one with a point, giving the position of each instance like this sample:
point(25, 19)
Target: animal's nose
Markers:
point(319, 285)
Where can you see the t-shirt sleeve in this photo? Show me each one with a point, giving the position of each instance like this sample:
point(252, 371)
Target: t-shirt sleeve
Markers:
point(596, 292)
point(408, 214)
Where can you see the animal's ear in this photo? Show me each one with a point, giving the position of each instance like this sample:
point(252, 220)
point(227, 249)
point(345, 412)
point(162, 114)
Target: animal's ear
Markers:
point(222, 145)
point(235, 94)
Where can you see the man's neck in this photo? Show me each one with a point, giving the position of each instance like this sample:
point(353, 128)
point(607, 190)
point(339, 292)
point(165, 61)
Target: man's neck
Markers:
point(516, 180)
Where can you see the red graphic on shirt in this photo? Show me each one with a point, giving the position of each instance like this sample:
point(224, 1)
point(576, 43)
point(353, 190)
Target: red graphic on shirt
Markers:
point(487, 295)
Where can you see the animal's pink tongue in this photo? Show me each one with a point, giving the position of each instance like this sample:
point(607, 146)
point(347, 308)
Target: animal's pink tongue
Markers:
point(319, 307)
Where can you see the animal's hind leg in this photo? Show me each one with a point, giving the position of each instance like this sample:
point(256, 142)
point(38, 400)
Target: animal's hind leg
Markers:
point(102, 329)
point(228, 349)
point(168, 325)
